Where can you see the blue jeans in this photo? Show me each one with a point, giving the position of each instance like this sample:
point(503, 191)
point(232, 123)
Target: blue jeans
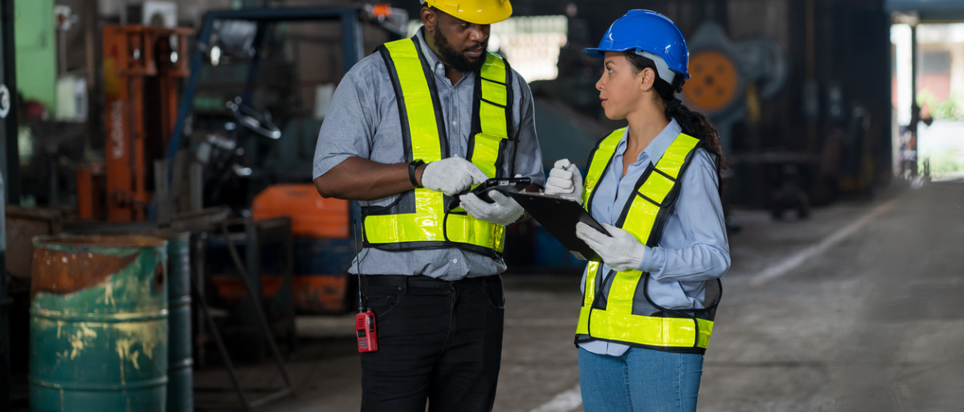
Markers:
point(641, 380)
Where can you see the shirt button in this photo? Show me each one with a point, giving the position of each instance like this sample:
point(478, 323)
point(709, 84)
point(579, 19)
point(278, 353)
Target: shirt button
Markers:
point(455, 123)
point(455, 261)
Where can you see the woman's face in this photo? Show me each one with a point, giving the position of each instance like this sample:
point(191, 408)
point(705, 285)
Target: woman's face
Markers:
point(620, 87)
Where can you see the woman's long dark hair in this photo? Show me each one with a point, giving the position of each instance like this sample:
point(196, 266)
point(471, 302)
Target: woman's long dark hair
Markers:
point(692, 123)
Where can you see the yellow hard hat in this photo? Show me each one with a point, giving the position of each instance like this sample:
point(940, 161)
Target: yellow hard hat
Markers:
point(474, 11)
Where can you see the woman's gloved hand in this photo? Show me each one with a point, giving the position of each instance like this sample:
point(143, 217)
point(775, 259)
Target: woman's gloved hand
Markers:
point(502, 211)
point(452, 175)
point(565, 181)
point(621, 251)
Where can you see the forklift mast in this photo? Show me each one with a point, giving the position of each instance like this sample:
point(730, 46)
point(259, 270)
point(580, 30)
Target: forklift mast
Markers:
point(142, 65)
point(351, 39)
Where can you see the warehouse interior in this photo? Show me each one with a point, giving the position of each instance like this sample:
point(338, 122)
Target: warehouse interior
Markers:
point(196, 122)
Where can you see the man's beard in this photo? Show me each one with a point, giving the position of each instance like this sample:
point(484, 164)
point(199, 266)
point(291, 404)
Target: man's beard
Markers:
point(449, 55)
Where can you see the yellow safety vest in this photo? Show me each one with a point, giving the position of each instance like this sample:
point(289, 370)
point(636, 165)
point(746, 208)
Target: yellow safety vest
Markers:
point(421, 219)
point(621, 310)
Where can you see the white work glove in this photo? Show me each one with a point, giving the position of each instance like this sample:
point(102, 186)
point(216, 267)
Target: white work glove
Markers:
point(621, 251)
point(502, 211)
point(452, 175)
point(565, 181)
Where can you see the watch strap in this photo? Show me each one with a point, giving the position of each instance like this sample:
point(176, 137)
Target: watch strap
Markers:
point(411, 172)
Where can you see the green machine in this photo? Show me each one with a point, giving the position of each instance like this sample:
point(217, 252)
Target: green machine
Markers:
point(36, 42)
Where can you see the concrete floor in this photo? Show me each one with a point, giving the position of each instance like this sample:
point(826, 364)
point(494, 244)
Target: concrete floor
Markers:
point(856, 309)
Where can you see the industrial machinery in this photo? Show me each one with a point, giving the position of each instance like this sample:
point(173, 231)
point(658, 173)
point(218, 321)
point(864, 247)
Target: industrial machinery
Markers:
point(731, 79)
point(254, 166)
point(249, 34)
point(730, 82)
point(142, 68)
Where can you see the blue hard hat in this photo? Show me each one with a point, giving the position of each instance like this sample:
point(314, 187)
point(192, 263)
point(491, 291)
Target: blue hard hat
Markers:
point(650, 34)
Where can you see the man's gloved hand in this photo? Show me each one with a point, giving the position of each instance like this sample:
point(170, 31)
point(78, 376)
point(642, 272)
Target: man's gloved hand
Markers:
point(565, 181)
point(452, 175)
point(502, 211)
point(621, 251)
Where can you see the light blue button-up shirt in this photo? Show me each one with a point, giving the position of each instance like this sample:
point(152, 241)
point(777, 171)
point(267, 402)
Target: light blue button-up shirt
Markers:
point(693, 247)
point(364, 122)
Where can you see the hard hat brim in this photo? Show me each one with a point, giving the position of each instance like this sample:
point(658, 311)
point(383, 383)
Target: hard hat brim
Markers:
point(600, 53)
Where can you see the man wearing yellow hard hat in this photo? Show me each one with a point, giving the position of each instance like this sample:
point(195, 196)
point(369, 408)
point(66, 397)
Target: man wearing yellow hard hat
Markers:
point(411, 128)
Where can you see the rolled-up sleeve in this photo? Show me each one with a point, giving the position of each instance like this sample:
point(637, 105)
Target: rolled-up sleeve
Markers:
point(348, 128)
point(703, 252)
point(528, 159)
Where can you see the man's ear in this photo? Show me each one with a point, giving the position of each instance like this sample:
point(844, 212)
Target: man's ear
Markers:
point(429, 18)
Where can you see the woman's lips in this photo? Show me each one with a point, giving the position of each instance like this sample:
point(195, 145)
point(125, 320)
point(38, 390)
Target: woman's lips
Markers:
point(603, 103)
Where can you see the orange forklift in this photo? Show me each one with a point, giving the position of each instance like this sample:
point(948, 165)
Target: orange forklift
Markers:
point(142, 68)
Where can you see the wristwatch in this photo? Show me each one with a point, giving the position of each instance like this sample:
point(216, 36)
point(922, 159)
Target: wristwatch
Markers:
point(411, 171)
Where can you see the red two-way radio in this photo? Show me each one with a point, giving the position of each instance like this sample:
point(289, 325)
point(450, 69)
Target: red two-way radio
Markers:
point(365, 319)
point(365, 332)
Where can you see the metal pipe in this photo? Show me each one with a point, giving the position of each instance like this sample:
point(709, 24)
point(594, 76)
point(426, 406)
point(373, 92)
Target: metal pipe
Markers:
point(219, 341)
point(811, 67)
point(351, 38)
point(187, 99)
point(285, 13)
point(914, 49)
point(254, 65)
point(254, 291)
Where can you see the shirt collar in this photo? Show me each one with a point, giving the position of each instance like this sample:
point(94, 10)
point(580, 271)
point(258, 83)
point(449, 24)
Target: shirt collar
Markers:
point(429, 54)
point(658, 146)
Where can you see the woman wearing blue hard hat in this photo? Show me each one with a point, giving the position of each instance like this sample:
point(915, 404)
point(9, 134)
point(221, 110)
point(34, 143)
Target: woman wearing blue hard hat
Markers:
point(651, 297)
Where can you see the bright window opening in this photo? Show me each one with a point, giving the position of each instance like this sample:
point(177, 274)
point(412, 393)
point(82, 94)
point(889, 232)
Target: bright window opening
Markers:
point(531, 44)
point(937, 147)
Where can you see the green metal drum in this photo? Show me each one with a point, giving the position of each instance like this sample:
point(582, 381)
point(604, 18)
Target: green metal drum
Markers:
point(180, 390)
point(98, 324)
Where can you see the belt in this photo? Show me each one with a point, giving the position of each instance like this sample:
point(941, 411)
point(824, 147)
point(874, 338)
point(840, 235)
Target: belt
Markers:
point(423, 282)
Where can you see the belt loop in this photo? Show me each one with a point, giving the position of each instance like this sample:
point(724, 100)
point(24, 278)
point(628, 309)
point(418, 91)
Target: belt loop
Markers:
point(403, 286)
point(485, 284)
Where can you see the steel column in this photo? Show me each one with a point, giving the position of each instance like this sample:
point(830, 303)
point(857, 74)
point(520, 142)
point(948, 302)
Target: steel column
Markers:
point(351, 38)
point(11, 158)
point(9, 161)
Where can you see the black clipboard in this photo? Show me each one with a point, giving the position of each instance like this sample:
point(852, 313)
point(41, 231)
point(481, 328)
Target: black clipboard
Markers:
point(559, 216)
point(504, 185)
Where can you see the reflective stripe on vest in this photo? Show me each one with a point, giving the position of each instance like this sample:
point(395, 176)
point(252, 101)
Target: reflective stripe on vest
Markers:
point(625, 314)
point(427, 223)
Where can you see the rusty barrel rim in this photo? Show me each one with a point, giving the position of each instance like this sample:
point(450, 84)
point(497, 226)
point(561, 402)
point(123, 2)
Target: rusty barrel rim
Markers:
point(55, 250)
point(97, 241)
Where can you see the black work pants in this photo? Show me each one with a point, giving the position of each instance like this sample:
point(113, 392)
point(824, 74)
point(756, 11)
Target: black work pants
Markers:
point(438, 341)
